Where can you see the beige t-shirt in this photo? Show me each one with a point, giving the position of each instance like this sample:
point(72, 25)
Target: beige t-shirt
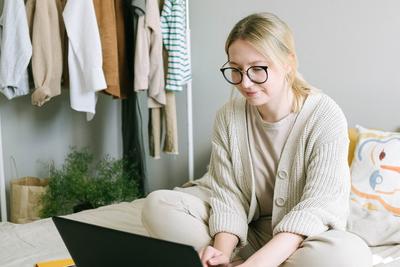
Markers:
point(266, 144)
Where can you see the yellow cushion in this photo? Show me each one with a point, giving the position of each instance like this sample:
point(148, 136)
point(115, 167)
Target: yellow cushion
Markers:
point(353, 136)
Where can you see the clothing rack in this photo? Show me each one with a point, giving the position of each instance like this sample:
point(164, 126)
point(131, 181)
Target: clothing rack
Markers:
point(189, 103)
point(3, 202)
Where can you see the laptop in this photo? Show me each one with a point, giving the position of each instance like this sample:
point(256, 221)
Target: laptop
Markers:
point(95, 246)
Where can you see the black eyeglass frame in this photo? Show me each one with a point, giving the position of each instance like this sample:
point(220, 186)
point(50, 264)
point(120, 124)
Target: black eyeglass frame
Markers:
point(223, 69)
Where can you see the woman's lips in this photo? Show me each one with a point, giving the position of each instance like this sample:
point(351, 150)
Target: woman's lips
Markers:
point(251, 94)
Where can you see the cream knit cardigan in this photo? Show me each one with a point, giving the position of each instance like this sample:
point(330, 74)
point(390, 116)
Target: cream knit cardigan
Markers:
point(312, 184)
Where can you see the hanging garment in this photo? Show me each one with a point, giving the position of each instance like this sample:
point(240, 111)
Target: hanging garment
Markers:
point(84, 56)
point(110, 15)
point(132, 138)
point(154, 130)
point(141, 45)
point(149, 67)
point(106, 20)
point(137, 9)
point(64, 44)
point(125, 51)
point(45, 25)
point(170, 118)
point(173, 18)
point(171, 126)
point(164, 116)
point(15, 49)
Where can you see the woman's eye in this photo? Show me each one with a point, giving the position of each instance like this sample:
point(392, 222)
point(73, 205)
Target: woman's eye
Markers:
point(257, 69)
point(382, 155)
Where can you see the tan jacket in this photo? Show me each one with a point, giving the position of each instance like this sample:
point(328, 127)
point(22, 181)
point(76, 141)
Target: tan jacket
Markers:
point(47, 36)
point(111, 22)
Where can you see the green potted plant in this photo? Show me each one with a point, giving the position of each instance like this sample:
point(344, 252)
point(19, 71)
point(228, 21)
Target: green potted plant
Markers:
point(83, 184)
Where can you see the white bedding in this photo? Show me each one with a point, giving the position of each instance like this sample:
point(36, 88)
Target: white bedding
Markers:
point(386, 256)
point(23, 245)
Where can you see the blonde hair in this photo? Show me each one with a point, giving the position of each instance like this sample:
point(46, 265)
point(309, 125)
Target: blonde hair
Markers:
point(273, 39)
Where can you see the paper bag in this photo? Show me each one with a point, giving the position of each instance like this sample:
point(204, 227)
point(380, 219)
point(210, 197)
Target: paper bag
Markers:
point(25, 194)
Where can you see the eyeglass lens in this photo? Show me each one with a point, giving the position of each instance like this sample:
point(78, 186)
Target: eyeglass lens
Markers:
point(256, 74)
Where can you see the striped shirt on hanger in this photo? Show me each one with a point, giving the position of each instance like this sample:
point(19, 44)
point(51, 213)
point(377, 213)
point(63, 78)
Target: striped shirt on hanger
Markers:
point(173, 25)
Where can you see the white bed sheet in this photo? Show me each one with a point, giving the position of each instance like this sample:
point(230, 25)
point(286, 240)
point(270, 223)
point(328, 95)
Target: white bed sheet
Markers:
point(23, 245)
point(386, 256)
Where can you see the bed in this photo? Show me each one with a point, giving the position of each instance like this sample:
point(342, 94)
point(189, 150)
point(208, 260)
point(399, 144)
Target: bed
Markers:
point(23, 245)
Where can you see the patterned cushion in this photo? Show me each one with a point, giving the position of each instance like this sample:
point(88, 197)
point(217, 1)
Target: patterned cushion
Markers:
point(375, 171)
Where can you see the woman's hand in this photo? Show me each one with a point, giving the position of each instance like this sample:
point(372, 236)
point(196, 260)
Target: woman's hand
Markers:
point(219, 254)
point(211, 256)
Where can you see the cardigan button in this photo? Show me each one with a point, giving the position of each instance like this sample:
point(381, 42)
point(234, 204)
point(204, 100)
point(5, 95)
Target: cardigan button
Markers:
point(282, 174)
point(280, 201)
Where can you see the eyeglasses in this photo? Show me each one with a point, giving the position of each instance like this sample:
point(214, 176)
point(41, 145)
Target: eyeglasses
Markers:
point(256, 74)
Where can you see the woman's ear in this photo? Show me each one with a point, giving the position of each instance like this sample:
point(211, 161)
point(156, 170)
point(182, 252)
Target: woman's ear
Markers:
point(290, 63)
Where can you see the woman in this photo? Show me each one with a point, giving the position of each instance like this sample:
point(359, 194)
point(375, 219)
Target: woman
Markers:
point(277, 190)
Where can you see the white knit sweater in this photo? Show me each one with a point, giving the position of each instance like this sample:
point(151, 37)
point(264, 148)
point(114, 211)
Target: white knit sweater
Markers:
point(312, 180)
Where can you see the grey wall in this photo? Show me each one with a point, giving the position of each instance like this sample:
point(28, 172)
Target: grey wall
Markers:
point(170, 170)
point(349, 49)
point(35, 136)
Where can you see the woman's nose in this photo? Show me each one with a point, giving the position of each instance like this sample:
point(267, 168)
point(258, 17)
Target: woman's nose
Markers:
point(246, 82)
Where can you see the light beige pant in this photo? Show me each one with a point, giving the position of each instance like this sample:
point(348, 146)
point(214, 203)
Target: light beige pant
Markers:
point(181, 217)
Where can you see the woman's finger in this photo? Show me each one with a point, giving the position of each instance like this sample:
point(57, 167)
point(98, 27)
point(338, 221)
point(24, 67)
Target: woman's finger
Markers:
point(219, 260)
point(208, 253)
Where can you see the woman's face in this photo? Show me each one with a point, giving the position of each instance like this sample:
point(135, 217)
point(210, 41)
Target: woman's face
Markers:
point(243, 55)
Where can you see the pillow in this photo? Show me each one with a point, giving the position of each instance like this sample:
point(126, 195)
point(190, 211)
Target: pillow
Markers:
point(353, 137)
point(375, 171)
